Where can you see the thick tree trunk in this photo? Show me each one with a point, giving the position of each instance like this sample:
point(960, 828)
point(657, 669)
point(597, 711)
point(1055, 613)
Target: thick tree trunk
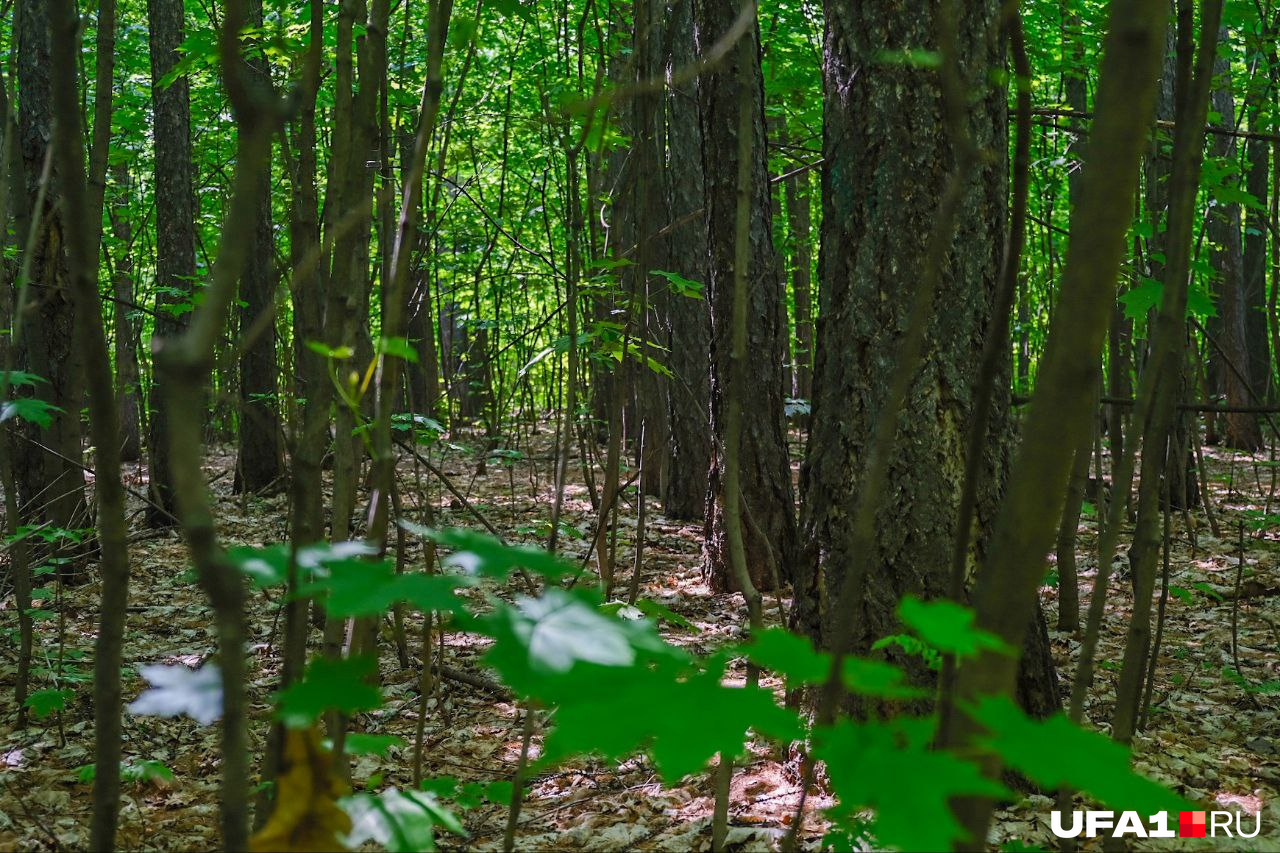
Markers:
point(1184, 490)
point(259, 463)
point(1229, 360)
point(651, 298)
point(175, 229)
point(1257, 163)
point(767, 499)
point(80, 198)
point(49, 478)
point(870, 261)
point(686, 320)
point(310, 439)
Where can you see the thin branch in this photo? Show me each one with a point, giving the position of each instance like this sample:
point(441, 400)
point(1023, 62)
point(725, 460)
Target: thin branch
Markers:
point(1218, 130)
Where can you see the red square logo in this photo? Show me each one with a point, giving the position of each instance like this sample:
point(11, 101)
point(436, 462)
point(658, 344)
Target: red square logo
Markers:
point(1191, 824)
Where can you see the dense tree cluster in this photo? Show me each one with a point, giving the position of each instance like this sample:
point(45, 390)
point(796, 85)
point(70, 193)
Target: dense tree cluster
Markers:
point(790, 270)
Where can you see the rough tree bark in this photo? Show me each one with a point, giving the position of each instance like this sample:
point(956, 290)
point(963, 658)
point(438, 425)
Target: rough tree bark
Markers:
point(175, 231)
point(82, 214)
point(308, 286)
point(767, 497)
point(259, 463)
point(50, 481)
point(424, 375)
point(1229, 365)
point(12, 195)
point(1184, 490)
point(651, 298)
point(880, 194)
point(1256, 339)
point(1257, 163)
point(686, 324)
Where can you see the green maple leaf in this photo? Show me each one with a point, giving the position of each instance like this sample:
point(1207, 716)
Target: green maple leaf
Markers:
point(359, 743)
point(398, 347)
point(913, 813)
point(268, 565)
point(788, 654)
point(428, 592)
point(340, 685)
point(878, 678)
point(353, 587)
point(398, 820)
point(617, 717)
point(948, 627)
point(44, 702)
point(265, 567)
point(724, 713)
point(22, 377)
point(541, 640)
point(1057, 752)
point(487, 557)
point(30, 409)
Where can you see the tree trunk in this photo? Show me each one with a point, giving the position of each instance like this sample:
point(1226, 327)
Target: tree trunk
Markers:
point(1257, 163)
point(686, 320)
point(309, 408)
point(1164, 371)
point(128, 388)
point(767, 499)
point(1068, 571)
point(1077, 87)
point(20, 576)
point(465, 362)
point(1006, 594)
point(1229, 360)
point(175, 230)
point(870, 261)
point(349, 216)
point(799, 219)
point(651, 298)
point(775, 129)
point(82, 215)
point(424, 382)
point(259, 463)
point(1184, 491)
point(50, 480)
point(308, 285)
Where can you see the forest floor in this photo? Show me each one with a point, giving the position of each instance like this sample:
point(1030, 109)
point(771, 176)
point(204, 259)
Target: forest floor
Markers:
point(1213, 734)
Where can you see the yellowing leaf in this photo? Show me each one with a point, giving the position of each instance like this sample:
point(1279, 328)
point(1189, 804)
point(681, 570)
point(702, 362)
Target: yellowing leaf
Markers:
point(307, 816)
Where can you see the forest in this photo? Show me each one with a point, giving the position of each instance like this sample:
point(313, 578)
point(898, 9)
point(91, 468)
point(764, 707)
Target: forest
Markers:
point(640, 424)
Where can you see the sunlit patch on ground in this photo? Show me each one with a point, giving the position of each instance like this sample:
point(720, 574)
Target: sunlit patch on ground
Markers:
point(1213, 736)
